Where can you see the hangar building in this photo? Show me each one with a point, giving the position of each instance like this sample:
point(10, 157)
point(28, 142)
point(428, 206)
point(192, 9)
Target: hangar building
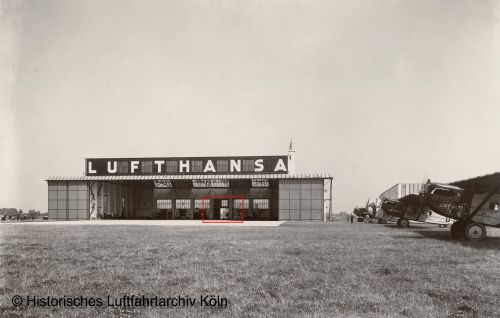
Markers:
point(209, 188)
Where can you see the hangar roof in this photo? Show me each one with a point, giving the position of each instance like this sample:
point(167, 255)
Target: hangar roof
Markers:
point(190, 177)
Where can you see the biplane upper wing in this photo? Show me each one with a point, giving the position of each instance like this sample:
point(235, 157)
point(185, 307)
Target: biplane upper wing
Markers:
point(488, 184)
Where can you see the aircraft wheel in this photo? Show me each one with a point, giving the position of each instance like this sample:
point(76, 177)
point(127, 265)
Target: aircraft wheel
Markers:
point(379, 221)
point(475, 232)
point(457, 229)
point(403, 223)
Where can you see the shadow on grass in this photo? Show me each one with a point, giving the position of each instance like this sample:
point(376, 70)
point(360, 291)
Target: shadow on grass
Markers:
point(490, 243)
point(411, 227)
point(443, 234)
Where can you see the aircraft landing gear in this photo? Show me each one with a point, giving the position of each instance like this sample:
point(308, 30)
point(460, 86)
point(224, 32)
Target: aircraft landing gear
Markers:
point(457, 229)
point(402, 222)
point(472, 231)
point(475, 232)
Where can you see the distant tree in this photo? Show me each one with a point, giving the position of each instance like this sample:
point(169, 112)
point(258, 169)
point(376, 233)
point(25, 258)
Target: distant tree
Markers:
point(9, 212)
point(33, 214)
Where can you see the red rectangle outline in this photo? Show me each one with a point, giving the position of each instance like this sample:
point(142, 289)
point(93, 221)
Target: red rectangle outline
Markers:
point(222, 197)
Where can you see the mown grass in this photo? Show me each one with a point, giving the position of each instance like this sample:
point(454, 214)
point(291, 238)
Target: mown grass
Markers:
point(298, 269)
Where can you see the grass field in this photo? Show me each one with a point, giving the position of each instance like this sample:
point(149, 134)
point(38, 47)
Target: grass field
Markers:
point(297, 269)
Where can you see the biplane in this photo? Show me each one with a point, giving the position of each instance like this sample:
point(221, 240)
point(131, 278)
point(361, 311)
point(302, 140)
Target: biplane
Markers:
point(370, 211)
point(382, 215)
point(362, 213)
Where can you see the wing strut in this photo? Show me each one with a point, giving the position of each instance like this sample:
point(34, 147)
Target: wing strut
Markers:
point(469, 218)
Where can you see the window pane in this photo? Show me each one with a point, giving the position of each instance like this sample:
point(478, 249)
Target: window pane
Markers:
point(198, 205)
point(52, 195)
point(147, 166)
point(52, 204)
point(305, 204)
point(183, 204)
point(237, 203)
point(317, 186)
point(305, 185)
point(196, 166)
point(82, 204)
point(83, 214)
point(52, 213)
point(61, 204)
point(294, 194)
point(261, 204)
point(219, 183)
point(284, 204)
point(305, 194)
point(295, 204)
point(163, 204)
point(72, 204)
point(123, 167)
point(172, 166)
point(61, 214)
point(222, 166)
point(317, 194)
point(207, 183)
point(317, 204)
point(163, 183)
point(248, 165)
point(82, 195)
point(260, 183)
point(284, 194)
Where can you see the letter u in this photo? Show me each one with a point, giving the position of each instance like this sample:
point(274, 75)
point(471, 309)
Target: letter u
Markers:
point(112, 170)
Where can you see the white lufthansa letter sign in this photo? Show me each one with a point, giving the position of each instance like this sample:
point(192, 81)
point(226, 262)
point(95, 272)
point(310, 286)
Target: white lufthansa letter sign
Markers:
point(90, 168)
point(182, 165)
point(236, 165)
point(259, 165)
point(158, 164)
point(133, 166)
point(280, 166)
point(112, 170)
point(209, 167)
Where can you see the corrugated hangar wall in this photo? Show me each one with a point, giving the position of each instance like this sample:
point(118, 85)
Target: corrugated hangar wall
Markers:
point(301, 199)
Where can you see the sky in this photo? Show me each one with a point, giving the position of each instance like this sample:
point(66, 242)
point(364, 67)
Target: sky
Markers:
point(373, 92)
